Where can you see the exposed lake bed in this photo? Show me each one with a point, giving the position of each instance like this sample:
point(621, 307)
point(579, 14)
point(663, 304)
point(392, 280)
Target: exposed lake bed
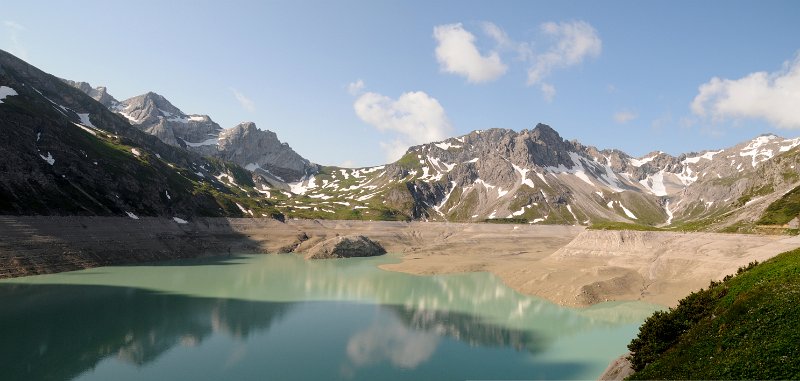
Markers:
point(452, 301)
point(567, 265)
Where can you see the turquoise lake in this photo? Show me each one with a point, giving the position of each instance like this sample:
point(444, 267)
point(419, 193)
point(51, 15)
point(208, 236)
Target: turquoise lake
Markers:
point(280, 317)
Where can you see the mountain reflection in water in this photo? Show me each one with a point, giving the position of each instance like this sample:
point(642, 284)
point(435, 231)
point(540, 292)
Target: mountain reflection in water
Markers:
point(254, 317)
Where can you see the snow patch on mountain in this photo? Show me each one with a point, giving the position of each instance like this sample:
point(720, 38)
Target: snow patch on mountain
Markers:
point(208, 142)
point(87, 129)
point(85, 120)
point(246, 211)
point(304, 185)
point(569, 208)
point(577, 168)
point(669, 213)
point(523, 174)
point(627, 212)
point(446, 145)
point(753, 149)
point(655, 183)
point(791, 144)
point(642, 161)
point(49, 158)
point(6, 91)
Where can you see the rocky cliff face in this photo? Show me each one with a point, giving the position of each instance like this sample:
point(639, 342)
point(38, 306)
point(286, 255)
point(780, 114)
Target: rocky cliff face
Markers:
point(99, 94)
point(155, 115)
point(260, 151)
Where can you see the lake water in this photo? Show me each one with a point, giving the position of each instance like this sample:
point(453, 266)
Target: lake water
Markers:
point(279, 317)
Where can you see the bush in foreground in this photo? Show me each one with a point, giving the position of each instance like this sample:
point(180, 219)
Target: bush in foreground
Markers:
point(745, 327)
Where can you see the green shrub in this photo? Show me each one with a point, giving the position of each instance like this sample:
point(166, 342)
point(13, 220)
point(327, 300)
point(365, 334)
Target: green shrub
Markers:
point(744, 327)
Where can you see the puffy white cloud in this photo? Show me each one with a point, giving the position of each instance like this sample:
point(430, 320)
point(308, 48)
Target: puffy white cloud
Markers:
point(243, 100)
point(457, 54)
point(575, 41)
point(774, 97)
point(572, 43)
point(355, 88)
point(548, 91)
point(624, 116)
point(414, 117)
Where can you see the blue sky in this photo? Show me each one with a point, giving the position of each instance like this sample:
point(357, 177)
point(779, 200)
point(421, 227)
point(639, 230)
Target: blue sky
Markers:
point(621, 74)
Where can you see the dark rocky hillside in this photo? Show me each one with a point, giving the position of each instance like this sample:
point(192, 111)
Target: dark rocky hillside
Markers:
point(63, 153)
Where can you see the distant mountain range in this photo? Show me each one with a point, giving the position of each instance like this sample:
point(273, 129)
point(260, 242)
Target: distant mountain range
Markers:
point(69, 148)
point(244, 144)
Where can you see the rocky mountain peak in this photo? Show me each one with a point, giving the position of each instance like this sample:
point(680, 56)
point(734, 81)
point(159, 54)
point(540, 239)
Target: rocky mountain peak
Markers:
point(261, 152)
point(545, 133)
point(244, 128)
point(99, 93)
point(258, 150)
point(150, 104)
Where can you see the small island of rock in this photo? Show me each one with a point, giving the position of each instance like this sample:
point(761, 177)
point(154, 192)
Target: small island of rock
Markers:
point(345, 247)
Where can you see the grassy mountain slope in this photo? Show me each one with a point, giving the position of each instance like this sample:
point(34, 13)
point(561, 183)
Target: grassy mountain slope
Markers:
point(745, 327)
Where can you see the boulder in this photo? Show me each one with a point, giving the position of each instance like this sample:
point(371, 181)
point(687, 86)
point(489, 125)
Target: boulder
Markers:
point(345, 247)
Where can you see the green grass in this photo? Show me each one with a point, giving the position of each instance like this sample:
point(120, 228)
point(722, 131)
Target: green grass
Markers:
point(463, 210)
point(410, 161)
point(695, 223)
point(614, 225)
point(506, 220)
point(782, 210)
point(745, 327)
point(754, 193)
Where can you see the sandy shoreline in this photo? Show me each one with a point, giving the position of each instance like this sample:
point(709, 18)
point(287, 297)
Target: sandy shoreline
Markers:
point(567, 265)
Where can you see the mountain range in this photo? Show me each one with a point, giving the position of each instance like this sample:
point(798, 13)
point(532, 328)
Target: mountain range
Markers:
point(70, 148)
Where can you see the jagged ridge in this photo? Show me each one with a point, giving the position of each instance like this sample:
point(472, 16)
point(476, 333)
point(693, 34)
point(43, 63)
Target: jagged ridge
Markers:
point(532, 175)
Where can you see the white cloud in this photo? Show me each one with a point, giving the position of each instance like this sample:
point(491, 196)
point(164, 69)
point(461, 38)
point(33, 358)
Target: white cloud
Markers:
point(414, 117)
point(548, 91)
point(575, 41)
point(244, 101)
point(774, 97)
point(348, 164)
point(505, 43)
point(497, 34)
point(624, 116)
point(457, 54)
point(395, 149)
point(393, 341)
point(13, 30)
point(356, 88)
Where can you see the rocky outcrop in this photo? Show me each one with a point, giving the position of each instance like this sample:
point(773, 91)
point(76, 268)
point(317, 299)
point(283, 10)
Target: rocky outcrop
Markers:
point(260, 151)
point(99, 93)
point(618, 369)
point(346, 247)
point(154, 114)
